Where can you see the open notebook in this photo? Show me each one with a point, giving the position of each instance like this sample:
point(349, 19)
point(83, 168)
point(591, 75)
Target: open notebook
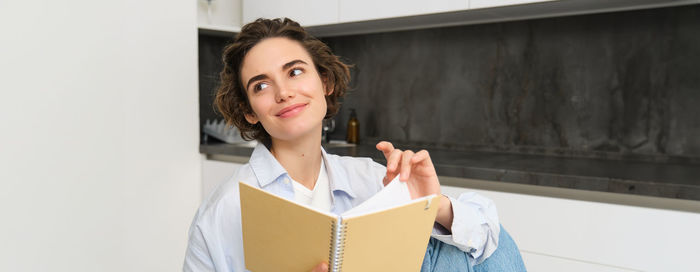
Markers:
point(388, 232)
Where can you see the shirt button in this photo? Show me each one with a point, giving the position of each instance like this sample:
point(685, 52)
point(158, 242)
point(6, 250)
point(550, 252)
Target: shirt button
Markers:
point(286, 181)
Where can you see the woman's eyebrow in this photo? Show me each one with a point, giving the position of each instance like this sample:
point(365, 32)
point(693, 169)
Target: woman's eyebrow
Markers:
point(255, 78)
point(292, 63)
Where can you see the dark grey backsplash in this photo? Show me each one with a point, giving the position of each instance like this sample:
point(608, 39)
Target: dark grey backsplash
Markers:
point(210, 65)
point(615, 84)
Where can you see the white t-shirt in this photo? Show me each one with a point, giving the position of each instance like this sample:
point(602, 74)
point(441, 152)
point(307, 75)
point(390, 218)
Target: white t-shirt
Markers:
point(320, 196)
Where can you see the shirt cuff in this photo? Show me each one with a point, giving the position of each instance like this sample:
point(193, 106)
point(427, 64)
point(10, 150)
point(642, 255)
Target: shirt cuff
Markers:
point(475, 226)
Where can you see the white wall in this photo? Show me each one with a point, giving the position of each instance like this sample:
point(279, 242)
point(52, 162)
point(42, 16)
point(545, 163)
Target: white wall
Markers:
point(216, 172)
point(99, 168)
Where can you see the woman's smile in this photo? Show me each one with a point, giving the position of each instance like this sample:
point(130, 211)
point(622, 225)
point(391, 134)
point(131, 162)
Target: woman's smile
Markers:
point(292, 110)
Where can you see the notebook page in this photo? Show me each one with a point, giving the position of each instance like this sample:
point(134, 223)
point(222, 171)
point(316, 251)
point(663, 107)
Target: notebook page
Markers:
point(393, 195)
point(392, 239)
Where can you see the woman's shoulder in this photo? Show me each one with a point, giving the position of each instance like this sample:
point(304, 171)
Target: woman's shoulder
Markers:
point(225, 198)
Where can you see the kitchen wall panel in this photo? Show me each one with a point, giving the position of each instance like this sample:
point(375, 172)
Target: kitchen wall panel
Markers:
point(610, 85)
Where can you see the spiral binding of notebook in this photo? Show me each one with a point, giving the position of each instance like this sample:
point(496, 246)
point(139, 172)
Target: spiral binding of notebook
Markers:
point(336, 261)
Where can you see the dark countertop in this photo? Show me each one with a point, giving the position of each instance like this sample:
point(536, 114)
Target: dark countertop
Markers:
point(667, 180)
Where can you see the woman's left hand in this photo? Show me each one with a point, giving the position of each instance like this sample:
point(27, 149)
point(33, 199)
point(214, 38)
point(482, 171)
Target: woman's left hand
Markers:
point(418, 171)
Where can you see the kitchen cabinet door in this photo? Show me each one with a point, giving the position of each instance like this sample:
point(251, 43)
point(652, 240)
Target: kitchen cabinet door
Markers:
point(306, 12)
point(224, 14)
point(476, 4)
point(363, 10)
point(558, 234)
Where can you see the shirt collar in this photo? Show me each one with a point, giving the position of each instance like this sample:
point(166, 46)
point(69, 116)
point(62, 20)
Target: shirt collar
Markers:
point(267, 169)
point(337, 175)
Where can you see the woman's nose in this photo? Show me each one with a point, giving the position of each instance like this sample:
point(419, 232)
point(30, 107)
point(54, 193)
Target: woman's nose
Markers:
point(284, 93)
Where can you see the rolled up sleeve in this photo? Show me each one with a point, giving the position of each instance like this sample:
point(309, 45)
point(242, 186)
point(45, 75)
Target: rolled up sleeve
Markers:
point(475, 226)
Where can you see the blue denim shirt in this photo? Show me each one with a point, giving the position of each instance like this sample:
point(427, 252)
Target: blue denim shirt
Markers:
point(216, 242)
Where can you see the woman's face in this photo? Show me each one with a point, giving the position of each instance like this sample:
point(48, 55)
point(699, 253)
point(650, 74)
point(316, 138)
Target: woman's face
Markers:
point(284, 89)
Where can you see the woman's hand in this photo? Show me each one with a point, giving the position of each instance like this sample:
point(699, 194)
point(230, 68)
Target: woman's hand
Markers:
point(322, 267)
point(418, 171)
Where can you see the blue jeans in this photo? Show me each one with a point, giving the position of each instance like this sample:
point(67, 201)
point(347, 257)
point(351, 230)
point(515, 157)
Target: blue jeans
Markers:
point(441, 257)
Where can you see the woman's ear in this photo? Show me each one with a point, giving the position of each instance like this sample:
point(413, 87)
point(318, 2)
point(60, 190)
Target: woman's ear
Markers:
point(251, 118)
point(324, 79)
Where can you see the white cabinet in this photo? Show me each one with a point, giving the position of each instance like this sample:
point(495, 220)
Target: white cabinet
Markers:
point(556, 234)
point(215, 172)
point(362, 10)
point(345, 17)
point(475, 4)
point(306, 12)
point(325, 12)
point(219, 15)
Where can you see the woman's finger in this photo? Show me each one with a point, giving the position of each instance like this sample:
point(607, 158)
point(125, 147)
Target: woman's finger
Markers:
point(386, 180)
point(322, 267)
point(386, 148)
point(392, 162)
point(406, 164)
point(420, 156)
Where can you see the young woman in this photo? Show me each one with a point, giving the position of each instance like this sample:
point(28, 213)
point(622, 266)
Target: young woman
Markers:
point(277, 86)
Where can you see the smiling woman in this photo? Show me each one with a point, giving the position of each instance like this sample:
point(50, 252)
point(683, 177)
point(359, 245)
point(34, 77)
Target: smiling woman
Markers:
point(286, 93)
point(315, 56)
point(277, 86)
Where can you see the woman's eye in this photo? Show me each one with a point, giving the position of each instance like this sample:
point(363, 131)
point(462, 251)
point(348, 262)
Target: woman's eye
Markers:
point(296, 72)
point(260, 86)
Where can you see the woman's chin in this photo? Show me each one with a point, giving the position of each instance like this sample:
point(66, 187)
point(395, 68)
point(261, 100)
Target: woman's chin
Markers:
point(296, 130)
point(289, 135)
point(296, 134)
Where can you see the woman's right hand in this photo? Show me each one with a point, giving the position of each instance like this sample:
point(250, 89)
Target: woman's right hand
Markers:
point(322, 267)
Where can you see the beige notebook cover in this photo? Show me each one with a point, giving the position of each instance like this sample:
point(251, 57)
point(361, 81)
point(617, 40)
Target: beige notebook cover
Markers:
point(388, 232)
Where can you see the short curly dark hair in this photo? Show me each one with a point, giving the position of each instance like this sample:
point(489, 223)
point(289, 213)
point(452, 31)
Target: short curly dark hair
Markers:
point(231, 98)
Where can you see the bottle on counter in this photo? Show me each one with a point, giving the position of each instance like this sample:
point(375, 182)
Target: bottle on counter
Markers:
point(353, 128)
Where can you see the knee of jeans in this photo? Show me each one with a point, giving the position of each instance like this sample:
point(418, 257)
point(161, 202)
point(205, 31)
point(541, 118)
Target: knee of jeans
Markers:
point(505, 240)
point(505, 258)
point(445, 255)
point(507, 247)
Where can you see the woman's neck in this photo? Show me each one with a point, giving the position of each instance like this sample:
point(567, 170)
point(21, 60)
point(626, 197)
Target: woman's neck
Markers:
point(301, 158)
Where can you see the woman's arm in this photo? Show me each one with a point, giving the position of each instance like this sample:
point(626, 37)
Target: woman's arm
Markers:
point(197, 257)
point(475, 227)
point(469, 222)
